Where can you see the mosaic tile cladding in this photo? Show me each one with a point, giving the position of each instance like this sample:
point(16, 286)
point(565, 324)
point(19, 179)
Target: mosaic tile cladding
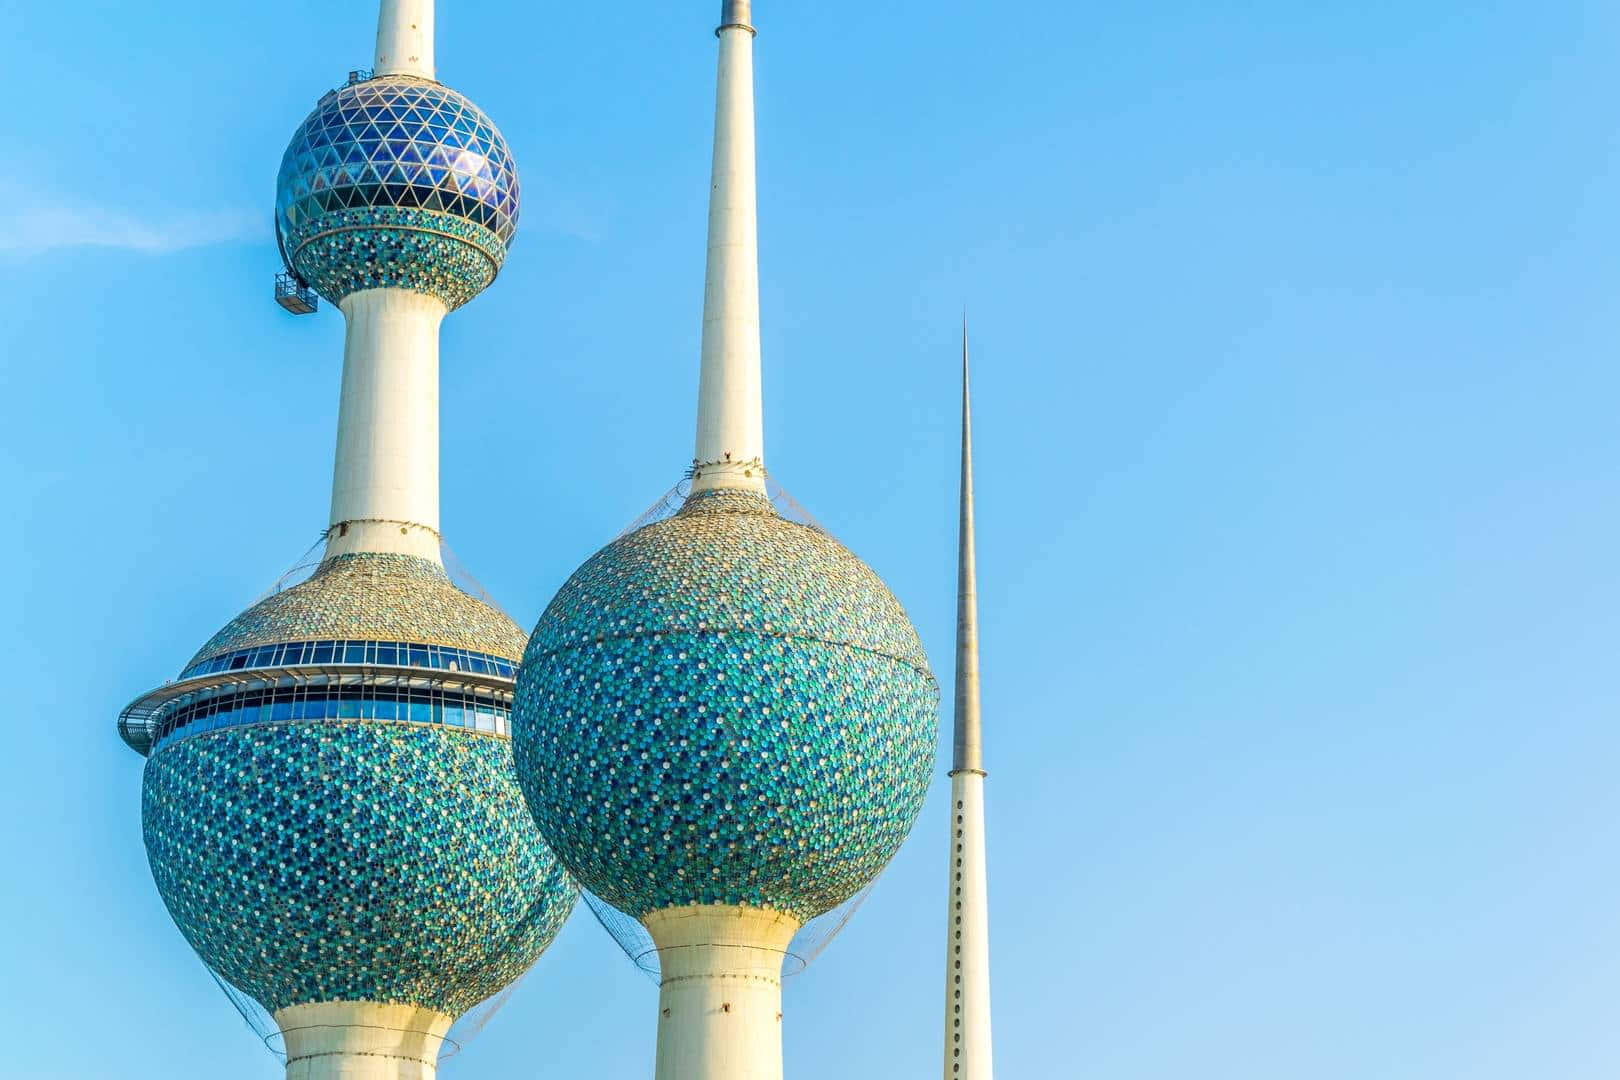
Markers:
point(372, 597)
point(353, 861)
point(397, 181)
point(725, 707)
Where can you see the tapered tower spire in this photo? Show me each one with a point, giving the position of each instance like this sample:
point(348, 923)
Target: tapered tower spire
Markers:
point(967, 937)
point(968, 752)
point(730, 448)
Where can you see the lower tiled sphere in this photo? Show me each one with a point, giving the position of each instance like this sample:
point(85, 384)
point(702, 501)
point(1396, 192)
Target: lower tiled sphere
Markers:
point(353, 861)
point(377, 247)
point(725, 708)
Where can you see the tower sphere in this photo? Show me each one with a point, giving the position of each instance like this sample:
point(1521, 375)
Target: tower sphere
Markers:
point(725, 707)
point(397, 181)
point(329, 811)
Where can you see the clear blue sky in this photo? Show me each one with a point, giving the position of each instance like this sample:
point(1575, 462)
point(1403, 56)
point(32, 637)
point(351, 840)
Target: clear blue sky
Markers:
point(1296, 395)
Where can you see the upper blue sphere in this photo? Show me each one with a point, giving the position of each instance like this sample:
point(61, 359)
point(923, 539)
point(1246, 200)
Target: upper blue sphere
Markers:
point(725, 707)
point(397, 182)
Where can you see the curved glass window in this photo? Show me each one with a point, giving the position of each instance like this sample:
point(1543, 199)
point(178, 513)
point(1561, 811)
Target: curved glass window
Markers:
point(399, 142)
point(281, 704)
point(384, 653)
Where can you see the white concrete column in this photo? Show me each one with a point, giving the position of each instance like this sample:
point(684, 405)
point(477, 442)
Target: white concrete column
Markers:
point(720, 998)
point(730, 427)
point(405, 38)
point(967, 938)
point(385, 479)
point(362, 1041)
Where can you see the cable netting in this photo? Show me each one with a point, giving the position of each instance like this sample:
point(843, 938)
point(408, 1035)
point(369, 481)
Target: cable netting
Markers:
point(670, 502)
point(306, 565)
point(810, 942)
point(263, 1025)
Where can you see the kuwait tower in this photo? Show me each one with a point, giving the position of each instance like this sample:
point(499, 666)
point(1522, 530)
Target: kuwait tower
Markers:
point(330, 806)
point(725, 723)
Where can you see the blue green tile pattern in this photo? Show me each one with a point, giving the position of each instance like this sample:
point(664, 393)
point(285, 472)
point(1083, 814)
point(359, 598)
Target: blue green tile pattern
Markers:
point(379, 247)
point(353, 861)
point(372, 597)
point(397, 181)
point(725, 707)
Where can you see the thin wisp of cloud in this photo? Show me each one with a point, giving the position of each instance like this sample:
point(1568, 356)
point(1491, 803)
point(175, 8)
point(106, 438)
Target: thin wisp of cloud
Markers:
point(34, 227)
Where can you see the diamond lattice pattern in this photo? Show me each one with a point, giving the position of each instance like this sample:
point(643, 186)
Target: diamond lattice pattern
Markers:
point(399, 142)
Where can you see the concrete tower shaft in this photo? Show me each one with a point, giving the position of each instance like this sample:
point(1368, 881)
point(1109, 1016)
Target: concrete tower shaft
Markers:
point(730, 449)
point(385, 472)
point(405, 38)
point(385, 475)
point(967, 929)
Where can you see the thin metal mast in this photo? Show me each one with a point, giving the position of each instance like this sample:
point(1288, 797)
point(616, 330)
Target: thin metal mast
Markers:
point(968, 753)
point(967, 929)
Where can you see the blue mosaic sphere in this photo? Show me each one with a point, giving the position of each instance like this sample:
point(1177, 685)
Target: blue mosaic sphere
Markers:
point(398, 182)
point(331, 808)
point(352, 861)
point(725, 707)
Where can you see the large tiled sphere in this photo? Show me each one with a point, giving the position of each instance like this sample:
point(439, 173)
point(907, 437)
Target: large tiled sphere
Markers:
point(397, 181)
point(725, 707)
point(352, 861)
point(331, 808)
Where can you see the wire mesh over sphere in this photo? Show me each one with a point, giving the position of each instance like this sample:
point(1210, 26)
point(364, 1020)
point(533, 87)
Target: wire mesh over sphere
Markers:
point(397, 182)
point(330, 806)
point(725, 707)
point(352, 861)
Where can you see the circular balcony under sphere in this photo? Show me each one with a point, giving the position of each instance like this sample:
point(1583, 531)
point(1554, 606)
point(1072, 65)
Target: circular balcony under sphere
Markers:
point(327, 816)
point(397, 182)
point(725, 707)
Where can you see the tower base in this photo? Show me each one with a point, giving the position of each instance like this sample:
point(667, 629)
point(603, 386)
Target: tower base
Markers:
point(360, 1040)
point(720, 997)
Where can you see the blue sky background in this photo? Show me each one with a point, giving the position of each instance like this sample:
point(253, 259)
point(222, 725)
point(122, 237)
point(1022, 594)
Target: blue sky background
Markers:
point(1296, 388)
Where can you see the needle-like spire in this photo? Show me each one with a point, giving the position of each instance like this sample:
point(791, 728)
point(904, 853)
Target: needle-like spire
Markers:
point(967, 934)
point(969, 750)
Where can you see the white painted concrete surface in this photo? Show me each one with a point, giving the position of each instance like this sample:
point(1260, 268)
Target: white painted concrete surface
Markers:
point(385, 477)
point(967, 940)
point(362, 1041)
point(405, 38)
point(730, 427)
point(720, 999)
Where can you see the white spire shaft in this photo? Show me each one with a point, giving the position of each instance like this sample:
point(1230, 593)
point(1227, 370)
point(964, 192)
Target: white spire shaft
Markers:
point(385, 478)
point(405, 38)
point(730, 446)
point(967, 938)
